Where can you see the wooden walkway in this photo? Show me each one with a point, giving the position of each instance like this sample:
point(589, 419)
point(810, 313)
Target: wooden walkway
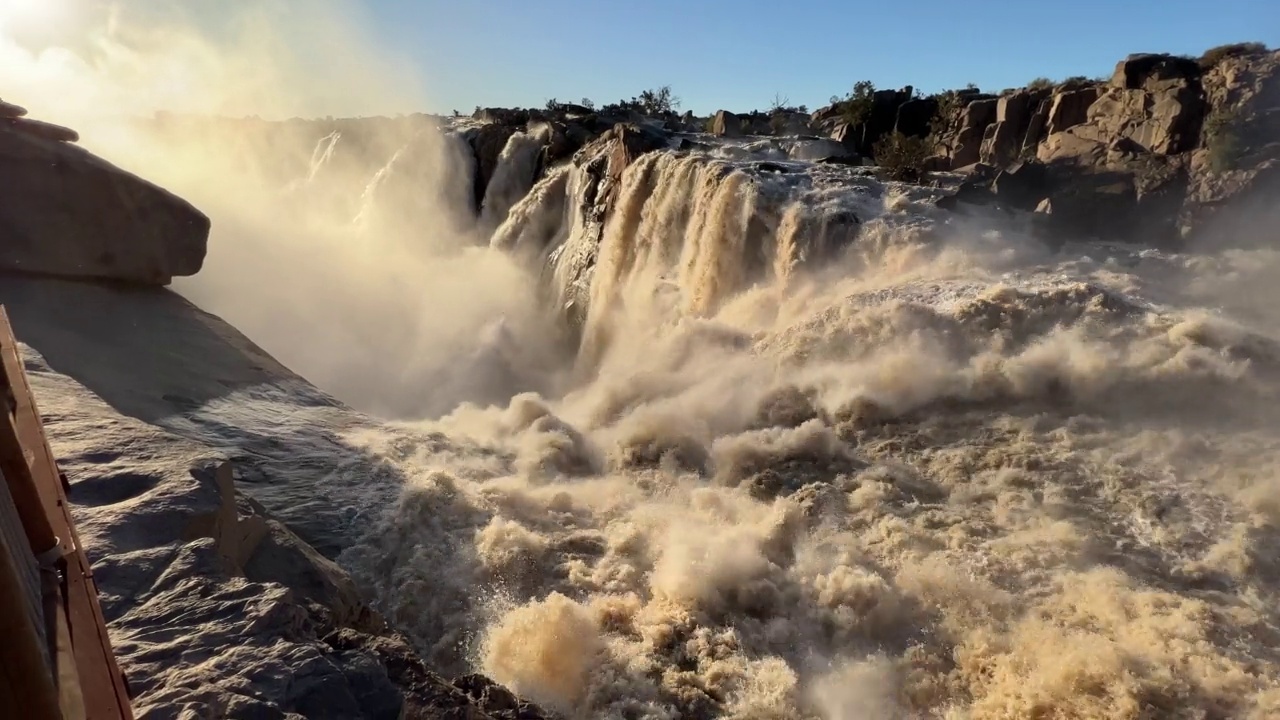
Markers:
point(87, 680)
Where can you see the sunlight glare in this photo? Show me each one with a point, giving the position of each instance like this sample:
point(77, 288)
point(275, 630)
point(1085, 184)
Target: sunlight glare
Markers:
point(28, 15)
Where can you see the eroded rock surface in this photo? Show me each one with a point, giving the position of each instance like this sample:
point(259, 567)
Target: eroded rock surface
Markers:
point(216, 608)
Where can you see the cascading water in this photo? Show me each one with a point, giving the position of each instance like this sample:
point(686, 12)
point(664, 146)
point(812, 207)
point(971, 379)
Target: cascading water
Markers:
point(513, 176)
point(816, 449)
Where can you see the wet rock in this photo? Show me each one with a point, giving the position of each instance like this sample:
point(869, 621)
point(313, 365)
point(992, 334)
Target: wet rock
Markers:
point(65, 211)
point(215, 608)
point(689, 145)
point(1022, 185)
point(497, 701)
point(487, 144)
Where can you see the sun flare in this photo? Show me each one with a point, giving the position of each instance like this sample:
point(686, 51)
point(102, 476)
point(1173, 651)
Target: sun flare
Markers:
point(26, 15)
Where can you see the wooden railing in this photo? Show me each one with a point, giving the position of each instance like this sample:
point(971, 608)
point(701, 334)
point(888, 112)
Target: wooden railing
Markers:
point(85, 682)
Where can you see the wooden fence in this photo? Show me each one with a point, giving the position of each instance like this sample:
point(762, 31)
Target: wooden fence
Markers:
point(56, 662)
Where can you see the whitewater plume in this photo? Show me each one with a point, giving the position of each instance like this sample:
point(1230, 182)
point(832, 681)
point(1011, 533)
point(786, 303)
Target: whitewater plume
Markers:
point(514, 175)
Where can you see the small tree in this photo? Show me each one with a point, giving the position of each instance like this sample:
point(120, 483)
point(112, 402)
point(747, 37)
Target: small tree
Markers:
point(946, 112)
point(658, 102)
point(1040, 83)
point(1222, 140)
point(856, 108)
point(588, 103)
point(902, 156)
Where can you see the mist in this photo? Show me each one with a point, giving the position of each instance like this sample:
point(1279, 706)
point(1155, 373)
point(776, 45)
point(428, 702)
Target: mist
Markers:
point(362, 269)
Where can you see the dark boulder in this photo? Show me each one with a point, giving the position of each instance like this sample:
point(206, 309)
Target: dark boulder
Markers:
point(65, 211)
point(1137, 71)
point(915, 116)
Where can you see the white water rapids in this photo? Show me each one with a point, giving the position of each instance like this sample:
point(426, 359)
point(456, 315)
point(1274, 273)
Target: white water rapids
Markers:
point(812, 449)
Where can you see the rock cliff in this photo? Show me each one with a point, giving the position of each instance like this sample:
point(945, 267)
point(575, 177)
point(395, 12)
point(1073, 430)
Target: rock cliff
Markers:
point(1150, 154)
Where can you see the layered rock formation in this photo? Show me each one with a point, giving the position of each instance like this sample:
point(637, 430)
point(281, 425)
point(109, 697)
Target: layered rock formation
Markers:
point(64, 211)
point(1147, 156)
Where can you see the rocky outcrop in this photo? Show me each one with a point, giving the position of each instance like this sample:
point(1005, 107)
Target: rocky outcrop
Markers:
point(67, 212)
point(1150, 155)
point(1237, 162)
point(882, 113)
point(726, 124)
point(974, 119)
point(915, 117)
point(1004, 139)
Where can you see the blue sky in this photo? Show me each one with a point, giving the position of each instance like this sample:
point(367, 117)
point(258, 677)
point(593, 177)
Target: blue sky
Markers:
point(737, 55)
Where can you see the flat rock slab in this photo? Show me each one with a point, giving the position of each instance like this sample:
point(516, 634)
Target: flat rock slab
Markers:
point(66, 212)
point(41, 129)
point(9, 110)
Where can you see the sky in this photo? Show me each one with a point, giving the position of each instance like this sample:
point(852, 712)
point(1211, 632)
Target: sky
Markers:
point(739, 54)
point(364, 57)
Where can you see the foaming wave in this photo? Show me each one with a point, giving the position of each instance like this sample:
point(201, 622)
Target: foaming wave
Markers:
point(930, 477)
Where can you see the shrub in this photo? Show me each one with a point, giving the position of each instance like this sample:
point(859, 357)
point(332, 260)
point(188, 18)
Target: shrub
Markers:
point(659, 102)
point(1222, 140)
point(902, 156)
point(653, 103)
point(855, 108)
point(948, 108)
point(1215, 55)
point(1040, 83)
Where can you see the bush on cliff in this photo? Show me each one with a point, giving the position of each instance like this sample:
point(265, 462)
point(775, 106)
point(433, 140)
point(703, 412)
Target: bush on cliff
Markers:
point(1215, 55)
point(855, 107)
point(659, 102)
point(902, 156)
point(1222, 140)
